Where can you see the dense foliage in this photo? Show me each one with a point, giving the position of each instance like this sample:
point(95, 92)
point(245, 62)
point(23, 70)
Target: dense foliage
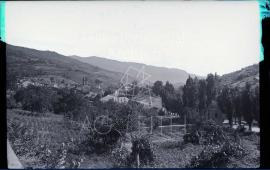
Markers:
point(35, 99)
point(238, 104)
point(142, 153)
point(220, 145)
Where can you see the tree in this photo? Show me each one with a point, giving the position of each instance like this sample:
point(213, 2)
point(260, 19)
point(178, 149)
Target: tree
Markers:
point(190, 93)
point(225, 103)
point(237, 105)
point(190, 98)
point(256, 104)
point(98, 82)
point(158, 88)
point(11, 80)
point(52, 79)
point(68, 100)
point(202, 96)
point(210, 90)
point(169, 88)
point(35, 98)
point(247, 105)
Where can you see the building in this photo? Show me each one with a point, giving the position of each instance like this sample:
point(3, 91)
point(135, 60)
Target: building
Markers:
point(114, 98)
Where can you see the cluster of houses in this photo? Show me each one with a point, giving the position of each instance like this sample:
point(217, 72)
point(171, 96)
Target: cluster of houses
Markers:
point(147, 100)
point(144, 99)
point(47, 82)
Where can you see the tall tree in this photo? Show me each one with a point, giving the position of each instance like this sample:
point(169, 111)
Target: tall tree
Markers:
point(237, 105)
point(210, 90)
point(98, 82)
point(189, 93)
point(247, 105)
point(158, 88)
point(190, 99)
point(225, 103)
point(169, 88)
point(256, 104)
point(202, 97)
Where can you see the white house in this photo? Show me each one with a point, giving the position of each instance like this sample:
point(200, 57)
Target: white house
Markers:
point(114, 98)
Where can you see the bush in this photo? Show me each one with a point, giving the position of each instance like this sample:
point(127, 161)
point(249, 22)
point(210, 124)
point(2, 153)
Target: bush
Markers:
point(58, 156)
point(11, 102)
point(193, 138)
point(120, 155)
point(142, 149)
point(100, 143)
point(207, 132)
point(216, 156)
point(210, 157)
point(241, 129)
point(213, 133)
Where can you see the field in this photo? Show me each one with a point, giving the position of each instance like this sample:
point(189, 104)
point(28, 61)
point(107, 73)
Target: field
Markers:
point(52, 141)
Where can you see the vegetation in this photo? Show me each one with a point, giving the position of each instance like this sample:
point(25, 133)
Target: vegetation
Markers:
point(35, 99)
point(57, 127)
point(141, 154)
point(171, 98)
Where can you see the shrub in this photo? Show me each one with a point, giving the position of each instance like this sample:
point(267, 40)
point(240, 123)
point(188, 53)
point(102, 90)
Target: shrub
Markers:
point(210, 157)
point(241, 129)
point(120, 155)
point(100, 143)
point(207, 132)
point(58, 156)
point(193, 138)
point(233, 149)
point(213, 133)
point(216, 156)
point(142, 150)
point(11, 102)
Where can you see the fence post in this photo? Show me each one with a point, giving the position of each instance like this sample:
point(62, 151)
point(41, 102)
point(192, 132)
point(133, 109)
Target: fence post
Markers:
point(185, 123)
point(171, 125)
point(151, 128)
point(161, 118)
point(138, 160)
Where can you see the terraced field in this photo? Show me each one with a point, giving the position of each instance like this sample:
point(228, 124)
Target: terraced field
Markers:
point(34, 138)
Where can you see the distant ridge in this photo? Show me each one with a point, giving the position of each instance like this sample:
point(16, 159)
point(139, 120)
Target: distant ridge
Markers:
point(175, 76)
point(27, 62)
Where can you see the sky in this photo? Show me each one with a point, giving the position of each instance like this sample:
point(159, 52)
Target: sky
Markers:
point(198, 37)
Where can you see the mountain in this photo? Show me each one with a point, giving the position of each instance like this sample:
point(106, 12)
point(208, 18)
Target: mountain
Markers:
point(239, 78)
point(175, 76)
point(26, 62)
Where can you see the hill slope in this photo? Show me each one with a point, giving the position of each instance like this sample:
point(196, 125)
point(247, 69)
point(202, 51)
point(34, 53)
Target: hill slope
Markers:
point(173, 75)
point(239, 78)
point(26, 62)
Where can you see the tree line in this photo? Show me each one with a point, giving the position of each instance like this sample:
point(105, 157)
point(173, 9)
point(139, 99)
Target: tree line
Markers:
point(197, 96)
point(194, 99)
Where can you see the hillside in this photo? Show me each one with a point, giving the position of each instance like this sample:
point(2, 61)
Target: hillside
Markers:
point(175, 76)
point(239, 78)
point(26, 62)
